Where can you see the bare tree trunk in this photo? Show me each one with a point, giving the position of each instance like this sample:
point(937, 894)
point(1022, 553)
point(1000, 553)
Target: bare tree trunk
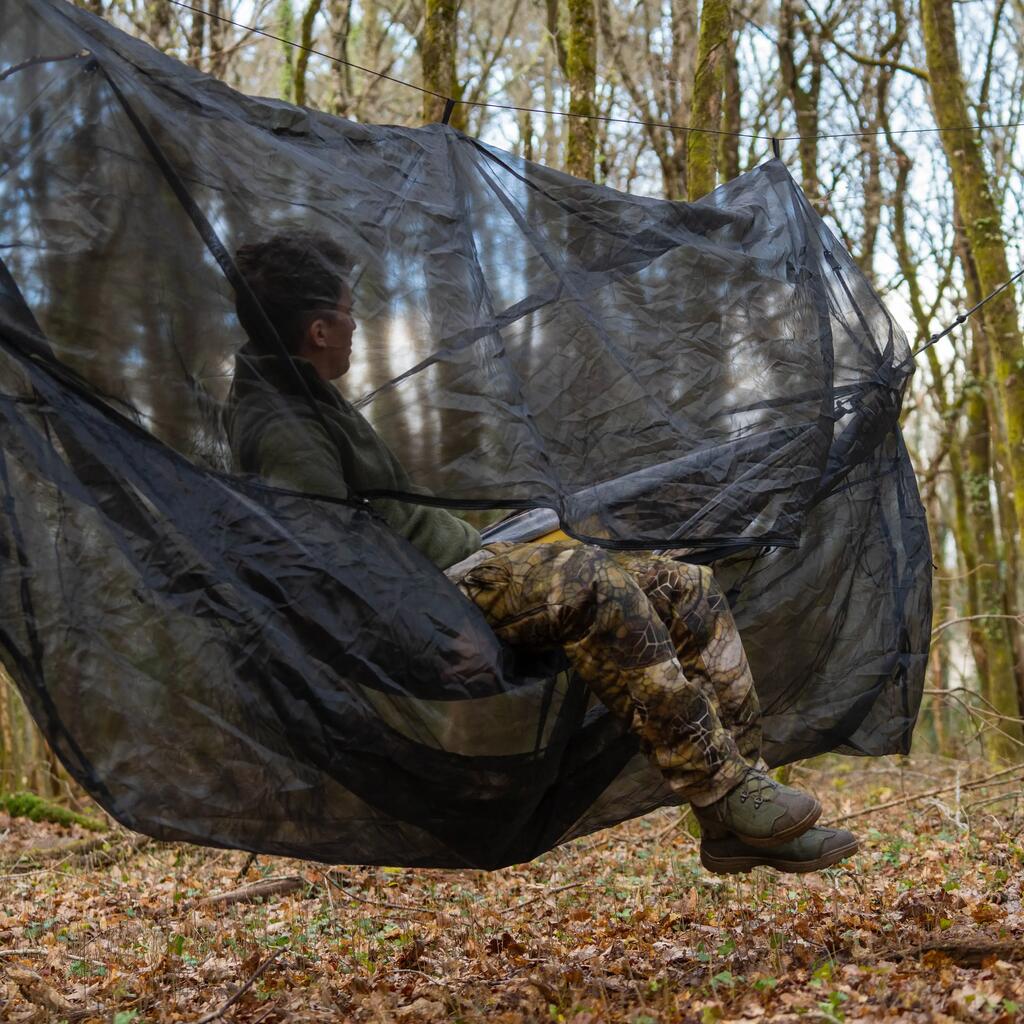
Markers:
point(158, 20)
point(581, 72)
point(339, 17)
point(998, 684)
point(702, 147)
point(982, 228)
point(218, 39)
point(7, 759)
point(729, 146)
point(197, 36)
point(683, 68)
point(659, 85)
point(958, 523)
point(285, 27)
point(438, 48)
point(302, 55)
point(804, 99)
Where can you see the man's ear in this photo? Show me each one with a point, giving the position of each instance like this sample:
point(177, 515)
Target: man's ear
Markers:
point(316, 336)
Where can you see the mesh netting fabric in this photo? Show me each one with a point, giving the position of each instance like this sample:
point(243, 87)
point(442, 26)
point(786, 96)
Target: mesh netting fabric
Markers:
point(221, 661)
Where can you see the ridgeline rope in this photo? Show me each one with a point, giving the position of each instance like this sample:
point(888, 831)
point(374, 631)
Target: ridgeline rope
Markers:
point(451, 102)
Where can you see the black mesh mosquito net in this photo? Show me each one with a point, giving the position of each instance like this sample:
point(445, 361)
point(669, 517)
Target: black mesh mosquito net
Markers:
point(225, 662)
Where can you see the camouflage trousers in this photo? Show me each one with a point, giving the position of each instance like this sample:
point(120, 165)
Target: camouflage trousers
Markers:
point(653, 638)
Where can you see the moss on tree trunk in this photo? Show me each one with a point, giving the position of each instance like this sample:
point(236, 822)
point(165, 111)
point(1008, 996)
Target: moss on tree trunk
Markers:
point(983, 228)
point(703, 147)
point(581, 71)
point(438, 47)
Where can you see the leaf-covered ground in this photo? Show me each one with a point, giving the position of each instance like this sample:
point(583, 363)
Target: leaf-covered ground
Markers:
point(924, 924)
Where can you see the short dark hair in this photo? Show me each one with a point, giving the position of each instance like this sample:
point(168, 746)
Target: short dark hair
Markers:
point(293, 275)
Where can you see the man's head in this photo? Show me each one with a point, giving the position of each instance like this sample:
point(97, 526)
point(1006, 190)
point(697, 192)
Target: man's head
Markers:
point(299, 280)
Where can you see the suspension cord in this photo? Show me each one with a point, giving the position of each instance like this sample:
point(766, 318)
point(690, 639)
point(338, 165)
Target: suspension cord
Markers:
point(451, 102)
point(969, 312)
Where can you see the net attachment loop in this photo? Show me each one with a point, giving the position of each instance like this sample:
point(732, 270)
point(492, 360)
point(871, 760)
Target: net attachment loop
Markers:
point(449, 106)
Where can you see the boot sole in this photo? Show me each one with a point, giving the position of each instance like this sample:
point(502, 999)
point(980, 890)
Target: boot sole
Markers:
point(743, 865)
point(783, 837)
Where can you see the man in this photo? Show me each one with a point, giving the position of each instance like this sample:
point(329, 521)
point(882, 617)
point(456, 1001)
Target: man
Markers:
point(652, 637)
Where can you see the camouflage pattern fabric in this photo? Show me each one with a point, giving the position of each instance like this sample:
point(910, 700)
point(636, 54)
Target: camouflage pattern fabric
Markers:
point(652, 637)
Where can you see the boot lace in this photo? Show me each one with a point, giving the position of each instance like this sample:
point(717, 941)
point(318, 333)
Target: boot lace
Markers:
point(759, 786)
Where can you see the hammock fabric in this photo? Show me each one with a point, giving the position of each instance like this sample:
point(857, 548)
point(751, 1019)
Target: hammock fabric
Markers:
point(223, 662)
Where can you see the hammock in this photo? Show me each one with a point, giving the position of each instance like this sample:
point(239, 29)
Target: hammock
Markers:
point(223, 662)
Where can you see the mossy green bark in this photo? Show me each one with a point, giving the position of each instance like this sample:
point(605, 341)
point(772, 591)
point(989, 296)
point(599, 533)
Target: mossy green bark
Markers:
point(285, 27)
point(998, 682)
point(983, 229)
point(581, 71)
point(28, 805)
point(703, 146)
point(302, 55)
point(438, 49)
point(804, 89)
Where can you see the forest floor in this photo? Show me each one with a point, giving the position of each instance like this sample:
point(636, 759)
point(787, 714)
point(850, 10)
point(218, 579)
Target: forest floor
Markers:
point(924, 924)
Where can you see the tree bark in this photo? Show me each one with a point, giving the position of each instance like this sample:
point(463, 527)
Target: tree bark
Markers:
point(197, 36)
point(998, 684)
point(285, 26)
point(959, 522)
point(302, 55)
point(438, 48)
point(581, 72)
point(982, 228)
point(729, 145)
point(803, 98)
point(339, 19)
point(702, 147)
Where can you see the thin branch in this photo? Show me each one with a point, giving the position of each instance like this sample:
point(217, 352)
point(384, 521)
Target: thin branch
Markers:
point(970, 618)
point(246, 985)
point(913, 797)
point(380, 903)
point(33, 61)
point(540, 896)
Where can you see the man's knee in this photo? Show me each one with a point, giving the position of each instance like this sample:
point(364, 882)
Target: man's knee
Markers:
point(617, 618)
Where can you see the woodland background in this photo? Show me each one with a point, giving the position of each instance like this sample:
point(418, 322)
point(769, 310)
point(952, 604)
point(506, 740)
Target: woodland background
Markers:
point(907, 114)
point(901, 120)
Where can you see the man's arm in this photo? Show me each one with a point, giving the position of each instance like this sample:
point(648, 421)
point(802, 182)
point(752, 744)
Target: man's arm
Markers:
point(301, 457)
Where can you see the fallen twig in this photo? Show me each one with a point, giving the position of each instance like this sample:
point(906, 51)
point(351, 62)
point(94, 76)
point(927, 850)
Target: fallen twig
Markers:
point(913, 797)
point(681, 819)
point(251, 893)
point(381, 903)
point(249, 861)
point(39, 951)
point(246, 985)
point(90, 850)
point(35, 855)
point(37, 991)
point(967, 951)
point(540, 896)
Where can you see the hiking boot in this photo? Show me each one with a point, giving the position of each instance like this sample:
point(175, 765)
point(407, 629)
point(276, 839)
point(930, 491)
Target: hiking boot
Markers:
point(817, 848)
point(759, 812)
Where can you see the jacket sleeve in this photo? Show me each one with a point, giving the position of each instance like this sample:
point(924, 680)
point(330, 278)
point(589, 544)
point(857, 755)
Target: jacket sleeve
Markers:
point(444, 538)
point(301, 460)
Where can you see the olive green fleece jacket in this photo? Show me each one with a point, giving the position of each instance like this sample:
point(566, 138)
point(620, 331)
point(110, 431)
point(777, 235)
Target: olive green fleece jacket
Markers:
point(275, 434)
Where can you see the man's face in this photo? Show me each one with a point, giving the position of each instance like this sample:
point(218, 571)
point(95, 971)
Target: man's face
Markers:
point(329, 339)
